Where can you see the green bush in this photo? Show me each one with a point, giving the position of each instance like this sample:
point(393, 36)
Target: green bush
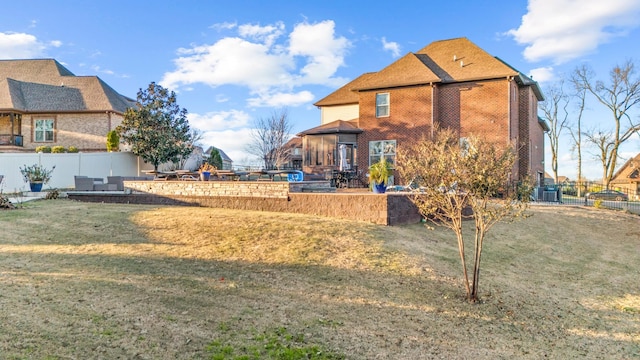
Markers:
point(72, 149)
point(58, 149)
point(597, 204)
point(113, 141)
point(43, 149)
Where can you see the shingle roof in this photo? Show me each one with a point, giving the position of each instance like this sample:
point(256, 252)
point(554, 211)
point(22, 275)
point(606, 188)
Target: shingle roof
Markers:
point(444, 61)
point(629, 172)
point(408, 70)
point(45, 85)
point(461, 60)
point(346, 94)
point(338, 126)
point(223, 155)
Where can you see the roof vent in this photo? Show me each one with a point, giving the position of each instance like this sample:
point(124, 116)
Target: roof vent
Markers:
point(461, 63)
point(455, 58)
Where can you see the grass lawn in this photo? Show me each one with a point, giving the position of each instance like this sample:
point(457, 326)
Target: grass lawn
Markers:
point(107, 281)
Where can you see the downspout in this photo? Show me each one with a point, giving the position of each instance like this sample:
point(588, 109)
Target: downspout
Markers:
point(510, 123)
point(109, 120)
point(433, 107)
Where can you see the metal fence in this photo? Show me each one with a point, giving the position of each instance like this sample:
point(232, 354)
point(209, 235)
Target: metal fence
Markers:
point(588, 194)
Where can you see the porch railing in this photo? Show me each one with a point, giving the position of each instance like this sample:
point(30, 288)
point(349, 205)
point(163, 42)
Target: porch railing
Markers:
point(10, 139)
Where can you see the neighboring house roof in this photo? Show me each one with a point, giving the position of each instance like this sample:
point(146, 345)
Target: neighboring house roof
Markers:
point(338, 126)
point(294, 142)
point(445, 61)
point(629, 172)
point(224, 156)
point(44, 85)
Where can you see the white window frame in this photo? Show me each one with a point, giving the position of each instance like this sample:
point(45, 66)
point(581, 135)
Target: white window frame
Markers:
point(382, 148)
point(383, 105)
point(44, 127)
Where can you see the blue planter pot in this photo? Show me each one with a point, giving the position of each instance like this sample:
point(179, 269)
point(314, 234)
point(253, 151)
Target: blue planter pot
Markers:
point(35, 187)
point(379, 188)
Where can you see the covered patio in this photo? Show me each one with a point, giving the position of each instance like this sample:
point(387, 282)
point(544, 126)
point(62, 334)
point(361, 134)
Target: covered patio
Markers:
point(330, 153)
point(10, 129)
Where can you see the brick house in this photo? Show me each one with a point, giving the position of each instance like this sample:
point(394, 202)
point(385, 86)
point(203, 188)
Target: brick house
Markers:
point(451, 83)
point(43, 103)
point(627, 178)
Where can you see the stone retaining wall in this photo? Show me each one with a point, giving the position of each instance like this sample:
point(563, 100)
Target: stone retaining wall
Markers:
point(248, 189)
point(383, 209)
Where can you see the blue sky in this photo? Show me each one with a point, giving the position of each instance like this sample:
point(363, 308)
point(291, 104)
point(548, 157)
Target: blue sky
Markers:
point(232, 62)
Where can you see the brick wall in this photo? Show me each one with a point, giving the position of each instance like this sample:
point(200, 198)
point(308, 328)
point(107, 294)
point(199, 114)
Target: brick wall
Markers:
point(86, 131)
point(409, 120)
point(383, 209)
point(476, 108)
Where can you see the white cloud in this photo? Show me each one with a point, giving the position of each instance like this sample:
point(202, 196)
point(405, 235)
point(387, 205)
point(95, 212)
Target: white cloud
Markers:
point(212, 121)
point(543, 74)
point(233, 142)
point(20, 46)
point(229, 61)
point(224, 26)
point(391, 46)
point(264, 34)
point(562, 30)
point(281, 99)
point(261, 60)
point(323, 50)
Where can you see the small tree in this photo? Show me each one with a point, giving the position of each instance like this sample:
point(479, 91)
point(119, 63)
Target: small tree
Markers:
point(157, 128)
point(215, 158)
point(269, 138)
point(455, 181)
point(113, 141)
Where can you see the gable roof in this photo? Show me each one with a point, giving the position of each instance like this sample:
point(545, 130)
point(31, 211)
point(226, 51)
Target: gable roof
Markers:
point(444, 61)
point(410, 69)
point(461, 60)
point(44, 85)
point(346, 94)
point(223, 155)
point(629, 172)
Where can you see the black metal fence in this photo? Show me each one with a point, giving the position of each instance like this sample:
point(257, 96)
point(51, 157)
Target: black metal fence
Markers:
point(588, 194)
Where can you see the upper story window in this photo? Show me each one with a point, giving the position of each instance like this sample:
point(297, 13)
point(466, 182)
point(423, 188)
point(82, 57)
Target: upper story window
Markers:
point(382, 105)
point(43, 130)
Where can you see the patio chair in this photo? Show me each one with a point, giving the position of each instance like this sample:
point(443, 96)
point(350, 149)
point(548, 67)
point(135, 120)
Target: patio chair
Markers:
point(83, 183)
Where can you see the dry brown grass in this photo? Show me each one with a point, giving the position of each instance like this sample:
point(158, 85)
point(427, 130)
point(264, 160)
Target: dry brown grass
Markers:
point(110, 281)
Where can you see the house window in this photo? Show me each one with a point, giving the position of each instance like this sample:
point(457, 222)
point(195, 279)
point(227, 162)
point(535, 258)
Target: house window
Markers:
point(43, 130)
point(382, 149)
point(382, 105)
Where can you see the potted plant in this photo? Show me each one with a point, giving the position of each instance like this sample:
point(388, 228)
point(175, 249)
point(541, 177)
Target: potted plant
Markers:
point(36, 175)
point(205, 171)
point(379, 174)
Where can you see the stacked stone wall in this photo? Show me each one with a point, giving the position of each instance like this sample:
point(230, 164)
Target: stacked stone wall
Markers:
point(383, 209)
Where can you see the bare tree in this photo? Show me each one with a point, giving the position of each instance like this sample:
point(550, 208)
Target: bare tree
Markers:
point(576, 133)
point(451, 179)
point(269, 137)
point(554, 108)
point(619, 96)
